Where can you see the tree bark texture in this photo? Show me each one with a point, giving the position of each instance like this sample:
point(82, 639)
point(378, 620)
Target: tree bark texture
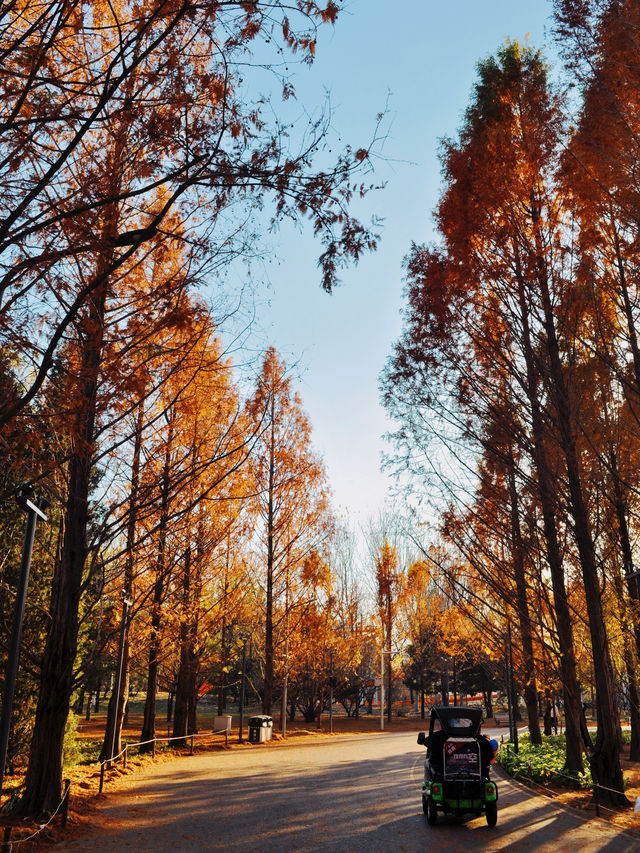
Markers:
point(43, 783)
point(568, 669)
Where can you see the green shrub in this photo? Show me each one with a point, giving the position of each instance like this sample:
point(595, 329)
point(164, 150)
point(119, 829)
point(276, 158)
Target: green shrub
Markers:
point(543, 764)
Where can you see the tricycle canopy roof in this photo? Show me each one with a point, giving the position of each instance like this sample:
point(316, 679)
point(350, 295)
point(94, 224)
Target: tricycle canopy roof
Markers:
point(456, 720)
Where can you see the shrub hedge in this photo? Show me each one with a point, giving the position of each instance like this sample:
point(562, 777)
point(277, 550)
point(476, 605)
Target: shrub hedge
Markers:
point(542, 764)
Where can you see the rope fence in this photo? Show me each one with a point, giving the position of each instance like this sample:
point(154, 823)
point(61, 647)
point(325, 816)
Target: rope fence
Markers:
point(595, 787)
point(63, 807)
point(106, 764)
point(8, 844)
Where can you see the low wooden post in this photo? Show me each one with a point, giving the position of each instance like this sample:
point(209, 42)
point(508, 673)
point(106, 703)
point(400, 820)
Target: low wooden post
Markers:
point(6, 841)
point(101, 777)
point(596, 798)
point(124, 759)
point(154, 748)
point(192, 743)
point(65, 802)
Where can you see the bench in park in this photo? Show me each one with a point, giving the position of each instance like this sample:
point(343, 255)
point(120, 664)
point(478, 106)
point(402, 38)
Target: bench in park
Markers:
point(501, 719)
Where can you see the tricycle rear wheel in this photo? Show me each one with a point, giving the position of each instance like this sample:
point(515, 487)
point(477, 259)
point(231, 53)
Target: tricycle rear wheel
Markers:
point(432, 812)
point(492, 814)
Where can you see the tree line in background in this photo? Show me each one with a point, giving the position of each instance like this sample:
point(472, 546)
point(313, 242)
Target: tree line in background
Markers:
point(516, 383)
point(209, 511)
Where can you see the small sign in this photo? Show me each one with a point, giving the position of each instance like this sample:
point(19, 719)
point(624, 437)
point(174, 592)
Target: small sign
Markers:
point(461, 756)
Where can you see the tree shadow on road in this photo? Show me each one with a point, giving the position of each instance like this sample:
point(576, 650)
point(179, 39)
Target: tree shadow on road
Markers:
point(372, 804)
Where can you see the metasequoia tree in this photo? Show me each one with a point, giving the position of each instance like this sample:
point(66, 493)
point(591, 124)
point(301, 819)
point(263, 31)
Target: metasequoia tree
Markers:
point(73, 71)
point(120, 315)
point(599, 173)
point(121, 132)
point(144, 348)
point(503, 225)
point(291, 497)
point(199, 442)
point(389, 586)
point(422, 610)
point(600, 42)
point(308, 630)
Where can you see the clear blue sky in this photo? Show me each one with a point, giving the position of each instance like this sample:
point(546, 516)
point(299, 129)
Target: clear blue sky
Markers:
point(418, 59)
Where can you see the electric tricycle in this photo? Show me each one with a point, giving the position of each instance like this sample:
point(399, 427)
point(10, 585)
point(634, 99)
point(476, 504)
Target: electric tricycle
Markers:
point(457, 765)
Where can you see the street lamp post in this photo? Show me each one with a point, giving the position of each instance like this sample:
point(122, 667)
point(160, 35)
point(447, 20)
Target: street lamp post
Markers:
point(383, 652)
point(34, 510)
point(331, 654)
point(511, 694)
point(243, 637)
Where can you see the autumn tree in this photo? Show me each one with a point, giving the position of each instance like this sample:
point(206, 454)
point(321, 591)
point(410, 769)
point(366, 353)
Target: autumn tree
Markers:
point(119, 132)
point(388, 587)
point(501, 277)
point(291, 497)
point(167, 84)
point(598, 39)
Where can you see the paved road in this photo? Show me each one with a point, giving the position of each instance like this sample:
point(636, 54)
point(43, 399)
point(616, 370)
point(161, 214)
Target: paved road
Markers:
point(335, 794)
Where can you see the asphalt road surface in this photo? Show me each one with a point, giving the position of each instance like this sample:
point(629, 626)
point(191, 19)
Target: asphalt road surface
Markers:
point(344, 794)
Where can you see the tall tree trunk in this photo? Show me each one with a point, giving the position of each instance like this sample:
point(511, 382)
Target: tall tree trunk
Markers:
point(116, 712)
point(161, 580)
point(522, 608)
point(43, 783)
point(185, 702)
point(267, 696)
point(628, 307)
point(224, 637)
point(181, 712)
point(568, 670)
point(632, 589)
point(605, 761)
point(389, 627)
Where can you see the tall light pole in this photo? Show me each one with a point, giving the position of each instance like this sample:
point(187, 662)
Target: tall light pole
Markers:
point(331, 654)
point(383, 652)
point(243, 637)
point(34, 511)
point(511, 693)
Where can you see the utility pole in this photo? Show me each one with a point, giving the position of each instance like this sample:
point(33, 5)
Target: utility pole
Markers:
point(34, 509)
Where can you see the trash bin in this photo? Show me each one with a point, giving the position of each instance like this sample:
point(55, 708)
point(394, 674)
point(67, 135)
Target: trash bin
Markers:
point(260, 728)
